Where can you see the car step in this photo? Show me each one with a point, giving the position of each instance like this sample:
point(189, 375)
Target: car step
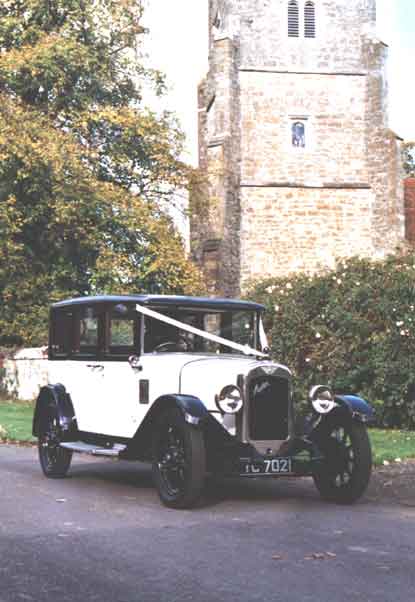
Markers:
point(95, 450)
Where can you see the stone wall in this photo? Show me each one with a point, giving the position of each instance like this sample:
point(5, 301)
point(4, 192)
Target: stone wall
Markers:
point(215, 223)
point(335, 151)
point(22, 375)
point(287, 230)
point(410, 210)
point(260, 26)
point(384, 156)
point(272, 208)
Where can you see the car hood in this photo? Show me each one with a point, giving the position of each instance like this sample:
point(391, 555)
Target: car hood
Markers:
point(205, 377)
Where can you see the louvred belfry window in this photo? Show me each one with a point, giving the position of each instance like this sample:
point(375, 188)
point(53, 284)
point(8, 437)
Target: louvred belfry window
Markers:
point(309, 20)
point(293, 20)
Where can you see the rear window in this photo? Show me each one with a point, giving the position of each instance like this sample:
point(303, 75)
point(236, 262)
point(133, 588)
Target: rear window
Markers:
point(61, 333)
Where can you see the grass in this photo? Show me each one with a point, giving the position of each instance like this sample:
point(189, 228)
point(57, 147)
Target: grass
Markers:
point(388, 446)
point(16, 420)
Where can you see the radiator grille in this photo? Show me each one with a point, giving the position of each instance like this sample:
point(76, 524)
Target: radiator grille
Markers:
point(268, 408)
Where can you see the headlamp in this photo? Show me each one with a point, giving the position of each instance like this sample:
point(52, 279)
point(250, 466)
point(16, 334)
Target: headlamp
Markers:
point(229, 400)
point(322, 399)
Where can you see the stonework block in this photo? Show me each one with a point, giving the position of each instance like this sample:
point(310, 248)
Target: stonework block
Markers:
point(301, 230)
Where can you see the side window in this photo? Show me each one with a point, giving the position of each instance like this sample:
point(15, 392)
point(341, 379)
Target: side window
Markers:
point(162, 337)
point(61, 334)
point(122, 332)
point(213, 325)
point(243, 328)
point(159, 336)
point(87, 332)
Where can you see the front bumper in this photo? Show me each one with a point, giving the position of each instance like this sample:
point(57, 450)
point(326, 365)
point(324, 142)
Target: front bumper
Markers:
point(297, 457)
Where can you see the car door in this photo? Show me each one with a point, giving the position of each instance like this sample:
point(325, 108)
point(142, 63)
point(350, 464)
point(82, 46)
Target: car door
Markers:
point(86, 384)
point(121, 412)
point(131, 387)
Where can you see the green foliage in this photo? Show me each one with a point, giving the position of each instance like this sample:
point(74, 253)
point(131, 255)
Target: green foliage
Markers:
point(352, 328)
point(86, 171)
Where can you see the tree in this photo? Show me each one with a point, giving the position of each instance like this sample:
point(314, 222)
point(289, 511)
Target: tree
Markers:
point(85, 170)
point(408, 152)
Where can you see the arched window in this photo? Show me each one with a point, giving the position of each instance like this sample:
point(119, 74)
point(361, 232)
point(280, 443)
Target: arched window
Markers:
point(293, 20)
point(309, 20)
point(298, 134)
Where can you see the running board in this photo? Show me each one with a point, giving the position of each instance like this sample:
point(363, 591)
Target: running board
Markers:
point(94, 450)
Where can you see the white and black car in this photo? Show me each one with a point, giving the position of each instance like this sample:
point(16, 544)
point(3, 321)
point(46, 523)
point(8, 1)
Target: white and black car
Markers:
point(186, 384)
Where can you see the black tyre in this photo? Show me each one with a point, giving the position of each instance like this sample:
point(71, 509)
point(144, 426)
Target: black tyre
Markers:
point(179, 460)
point(344, 476)
point(54, 460)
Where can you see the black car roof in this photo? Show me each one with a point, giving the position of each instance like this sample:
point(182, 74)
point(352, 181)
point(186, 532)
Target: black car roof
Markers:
point(165, 300)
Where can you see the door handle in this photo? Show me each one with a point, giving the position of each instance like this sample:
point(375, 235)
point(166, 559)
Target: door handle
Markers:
point(134, 362)
point(95, 366)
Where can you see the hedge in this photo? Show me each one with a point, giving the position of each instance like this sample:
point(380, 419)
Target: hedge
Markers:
point(353, 328)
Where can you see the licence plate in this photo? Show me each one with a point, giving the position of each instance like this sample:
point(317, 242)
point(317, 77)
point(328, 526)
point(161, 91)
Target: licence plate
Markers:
point(266, 467)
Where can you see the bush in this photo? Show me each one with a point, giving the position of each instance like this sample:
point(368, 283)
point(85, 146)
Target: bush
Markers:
point(353, 328)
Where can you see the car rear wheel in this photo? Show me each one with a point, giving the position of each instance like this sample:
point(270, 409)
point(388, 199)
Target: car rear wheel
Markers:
point(179, 460)
point(54, 460)
point(345, 473)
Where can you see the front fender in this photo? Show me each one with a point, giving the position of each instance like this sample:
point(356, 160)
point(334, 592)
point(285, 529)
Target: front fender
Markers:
point(349, 408)
point(192, 407)
point(359, 409)
point(194, 412)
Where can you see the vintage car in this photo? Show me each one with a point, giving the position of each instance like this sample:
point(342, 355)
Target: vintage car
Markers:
point(186, 384)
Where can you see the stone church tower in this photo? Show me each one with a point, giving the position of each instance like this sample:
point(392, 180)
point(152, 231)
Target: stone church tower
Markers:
point(301, 168)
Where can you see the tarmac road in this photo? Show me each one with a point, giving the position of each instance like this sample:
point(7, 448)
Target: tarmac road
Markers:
point(102, 535)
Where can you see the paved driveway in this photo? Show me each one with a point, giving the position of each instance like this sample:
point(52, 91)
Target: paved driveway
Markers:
point(102, 535)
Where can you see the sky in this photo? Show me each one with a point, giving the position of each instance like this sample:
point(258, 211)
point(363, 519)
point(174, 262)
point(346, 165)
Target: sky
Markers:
point(177, 45)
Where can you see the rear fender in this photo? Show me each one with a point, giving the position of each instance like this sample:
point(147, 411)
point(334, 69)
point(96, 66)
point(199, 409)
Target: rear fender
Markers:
point(57, 395)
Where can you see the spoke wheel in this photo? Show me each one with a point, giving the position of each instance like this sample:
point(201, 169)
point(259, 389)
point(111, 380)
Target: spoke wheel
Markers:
point(54, 460)
point(344, 475)
point(179, 461)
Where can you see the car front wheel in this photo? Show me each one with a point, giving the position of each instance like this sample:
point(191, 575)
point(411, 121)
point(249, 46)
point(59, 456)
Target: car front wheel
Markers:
point(54, 460)
point(179, 460)
point(345, 473)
